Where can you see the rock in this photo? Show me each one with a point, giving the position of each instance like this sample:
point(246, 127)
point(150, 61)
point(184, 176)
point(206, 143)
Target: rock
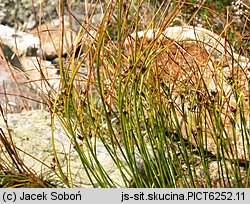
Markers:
point(28, 75)
point(200, 68)
point(18, 41)
point(222, 175)
point(36, 141)
point(24, 16)
point(15, 94)
point(51, 40)
point(78, 10)
point(11, 56)
point(21, 15)
point(214, 45)
point(42, 75)
point(37, 154)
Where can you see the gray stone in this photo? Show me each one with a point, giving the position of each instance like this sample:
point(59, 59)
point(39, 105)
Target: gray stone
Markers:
point(31, 132)
point(18, 41)
point(21, 15)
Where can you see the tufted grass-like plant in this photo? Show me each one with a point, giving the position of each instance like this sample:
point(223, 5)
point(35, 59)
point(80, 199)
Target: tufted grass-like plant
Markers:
point(13, 171)
point(150, 102)
point(143, 100)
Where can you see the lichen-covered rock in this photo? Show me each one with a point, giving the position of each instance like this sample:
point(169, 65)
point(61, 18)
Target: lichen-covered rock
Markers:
point(31, 132)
